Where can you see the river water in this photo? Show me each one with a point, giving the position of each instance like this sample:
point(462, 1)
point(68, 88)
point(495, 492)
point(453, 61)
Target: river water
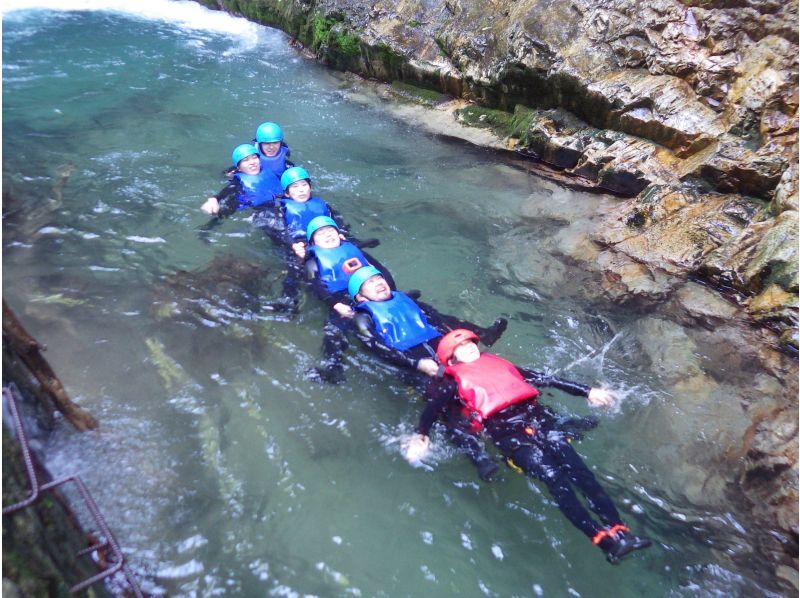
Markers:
point(222, 469)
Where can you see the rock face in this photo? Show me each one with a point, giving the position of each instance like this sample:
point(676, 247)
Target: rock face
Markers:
point(688, 108)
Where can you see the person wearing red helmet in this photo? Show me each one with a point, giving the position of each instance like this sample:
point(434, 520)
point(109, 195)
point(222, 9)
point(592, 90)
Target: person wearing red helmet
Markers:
point(481, 392)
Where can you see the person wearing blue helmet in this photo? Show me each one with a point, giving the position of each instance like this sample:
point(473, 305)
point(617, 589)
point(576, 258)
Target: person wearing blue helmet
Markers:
point(330, 260)
point(300, 206)
point(272, 149)
point(401, 329)
point(250, 187)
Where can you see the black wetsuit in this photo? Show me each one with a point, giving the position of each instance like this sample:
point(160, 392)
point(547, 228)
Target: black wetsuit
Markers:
point(531, 438)
point(266, 217)
point(334, 338)
point(363, 327)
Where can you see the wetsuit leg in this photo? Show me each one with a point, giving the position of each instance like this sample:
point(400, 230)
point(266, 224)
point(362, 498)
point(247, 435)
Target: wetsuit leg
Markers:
point(530, 457)
point(289, 300)
point(334, 344)
point(583, 479)
point(466, 440)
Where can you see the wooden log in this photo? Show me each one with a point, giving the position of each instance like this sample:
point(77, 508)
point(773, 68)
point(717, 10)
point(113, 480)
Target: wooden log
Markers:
point(29, 351)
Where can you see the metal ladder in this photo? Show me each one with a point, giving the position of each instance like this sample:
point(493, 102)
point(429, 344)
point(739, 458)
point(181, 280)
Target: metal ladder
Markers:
point(107, 538)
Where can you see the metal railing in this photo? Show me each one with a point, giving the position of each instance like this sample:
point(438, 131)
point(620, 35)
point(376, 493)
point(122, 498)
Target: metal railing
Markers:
point(107, 538)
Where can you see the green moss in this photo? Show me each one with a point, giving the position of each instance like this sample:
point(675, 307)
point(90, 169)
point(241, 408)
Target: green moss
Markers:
point(413, 23)
point(521, 122)
point(347, 43)
point(389, 57)
point(504, 124)
point(320, 31)
point(260, 11)
point(417, 94)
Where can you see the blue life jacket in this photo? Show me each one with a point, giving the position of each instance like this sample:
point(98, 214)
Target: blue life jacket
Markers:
point(399, 322)
point(258, 190)
point(335, 265)
point(297, 215)
point(276, 164)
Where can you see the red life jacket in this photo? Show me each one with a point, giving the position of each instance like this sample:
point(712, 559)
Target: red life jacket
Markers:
point(490, 384)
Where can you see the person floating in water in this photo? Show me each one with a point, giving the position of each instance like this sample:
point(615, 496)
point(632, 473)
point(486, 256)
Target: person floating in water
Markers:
point(287, 223)
point(251, 186)
point(329, 261)
point(273, 151)
point(401, 329)
point(299, 206)
point(480, 392)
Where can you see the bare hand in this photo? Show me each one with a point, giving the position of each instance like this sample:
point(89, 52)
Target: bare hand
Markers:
point(211, 206)
point(299, 249)
point(600, 397)
point(415, 447)
point(344, 310)
point(428, 366)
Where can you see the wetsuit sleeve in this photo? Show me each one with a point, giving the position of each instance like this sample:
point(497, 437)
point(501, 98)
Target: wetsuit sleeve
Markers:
point(444, 322)
point(440, 393)
point(364, 327)
point(542, 380)
point(228, 198)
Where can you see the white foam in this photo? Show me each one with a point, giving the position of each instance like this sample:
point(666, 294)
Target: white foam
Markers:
point(181, 13)
point(137, 239)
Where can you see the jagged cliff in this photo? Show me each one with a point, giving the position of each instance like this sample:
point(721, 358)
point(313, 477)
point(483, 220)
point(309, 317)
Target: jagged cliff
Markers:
point(686, 108)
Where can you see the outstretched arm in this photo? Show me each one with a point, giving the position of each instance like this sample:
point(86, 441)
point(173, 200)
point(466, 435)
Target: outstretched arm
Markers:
point(224, 203)
point(598, 397)
point(416, 447)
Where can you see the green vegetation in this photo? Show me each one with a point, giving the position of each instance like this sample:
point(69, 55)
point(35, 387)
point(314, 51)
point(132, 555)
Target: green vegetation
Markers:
point(389, 57)
point(320, 31)
point(418, 94)
point(348, 44)
point(260, 11)
point(324, 32)
point(502, 123)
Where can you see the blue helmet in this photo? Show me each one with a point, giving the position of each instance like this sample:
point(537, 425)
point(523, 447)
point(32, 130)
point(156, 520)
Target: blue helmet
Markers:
point(318, 223)
point(242, 151)
point(359, 277)
point(292, 175)
point(268, 133)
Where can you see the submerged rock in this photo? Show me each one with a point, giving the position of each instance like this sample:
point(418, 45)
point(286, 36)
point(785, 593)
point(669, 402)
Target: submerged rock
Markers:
point(229, 288)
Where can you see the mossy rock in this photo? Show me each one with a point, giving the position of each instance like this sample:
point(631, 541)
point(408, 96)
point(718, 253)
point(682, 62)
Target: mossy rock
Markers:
point(420, 95)
point(504, 124)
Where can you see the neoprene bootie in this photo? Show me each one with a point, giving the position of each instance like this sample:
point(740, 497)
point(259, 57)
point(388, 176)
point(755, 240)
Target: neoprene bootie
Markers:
point(622, 545)
point(492, 334)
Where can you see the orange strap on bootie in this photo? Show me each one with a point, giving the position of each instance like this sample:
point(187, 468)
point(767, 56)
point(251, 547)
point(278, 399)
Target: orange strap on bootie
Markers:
point(609, 532)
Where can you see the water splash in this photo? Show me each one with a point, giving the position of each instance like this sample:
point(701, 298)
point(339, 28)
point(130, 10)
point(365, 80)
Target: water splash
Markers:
point(185, 15)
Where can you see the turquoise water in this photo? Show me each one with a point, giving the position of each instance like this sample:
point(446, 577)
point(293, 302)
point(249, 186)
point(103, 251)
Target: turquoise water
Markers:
point(220, 467)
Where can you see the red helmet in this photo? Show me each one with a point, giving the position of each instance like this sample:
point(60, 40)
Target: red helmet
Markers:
point(450, 341)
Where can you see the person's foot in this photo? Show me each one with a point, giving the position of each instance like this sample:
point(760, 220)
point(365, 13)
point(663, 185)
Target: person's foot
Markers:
point(492, 334)
point(623, 544)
